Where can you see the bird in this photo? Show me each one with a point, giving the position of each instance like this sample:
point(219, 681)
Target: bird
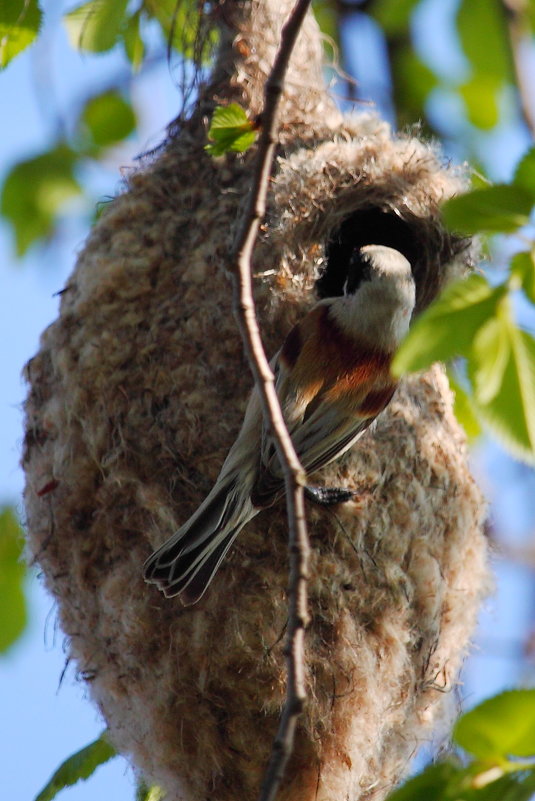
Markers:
point(332, 377)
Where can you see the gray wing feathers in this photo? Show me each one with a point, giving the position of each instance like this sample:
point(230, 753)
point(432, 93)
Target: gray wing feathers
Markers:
point(319, 440)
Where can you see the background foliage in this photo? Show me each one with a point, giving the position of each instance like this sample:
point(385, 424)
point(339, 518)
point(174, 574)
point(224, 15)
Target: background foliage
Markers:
point(482, 326)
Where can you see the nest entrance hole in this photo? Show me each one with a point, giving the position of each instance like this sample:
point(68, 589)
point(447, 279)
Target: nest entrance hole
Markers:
point(370, 226)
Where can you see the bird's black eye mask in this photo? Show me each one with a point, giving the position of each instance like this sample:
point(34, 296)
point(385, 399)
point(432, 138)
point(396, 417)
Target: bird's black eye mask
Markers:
point(345, 268)
point(358, 270)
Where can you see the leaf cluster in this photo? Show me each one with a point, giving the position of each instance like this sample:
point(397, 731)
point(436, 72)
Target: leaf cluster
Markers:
point(486, 80)
point(37, 190)
point(97, 26)
point(483, 30)
point(476, 320)
point(495, 759)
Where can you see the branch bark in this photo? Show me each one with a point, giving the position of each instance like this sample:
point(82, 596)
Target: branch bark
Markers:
point(294, 475)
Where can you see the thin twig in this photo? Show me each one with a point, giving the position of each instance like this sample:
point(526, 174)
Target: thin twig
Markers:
point(518, 27)
point(294, 475)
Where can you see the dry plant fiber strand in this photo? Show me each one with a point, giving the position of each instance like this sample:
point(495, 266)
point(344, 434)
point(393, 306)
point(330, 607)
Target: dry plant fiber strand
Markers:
point(136, 394)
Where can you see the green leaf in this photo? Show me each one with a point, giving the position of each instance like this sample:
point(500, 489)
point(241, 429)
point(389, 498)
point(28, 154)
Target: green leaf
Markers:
point(482, 33)
point(491, 348)
point(500, 727)
point(393, 15)
point(13, 609)
point(497, 209)
point(510, 787)
point(478, 179)
point(502, 370)
point(327, 18)
point(78, 766)
point(447, 328)
point(134, 45)
point(34, 192)
point(523, 266)
point(108, 118)
point(430, 785)
point(481, 97)
point(152, 793)
point(464, 408)
point(445, 781)
point(20, 22)
point(413, 81)
point(179, 21)
point(525, 790)
point(525, 172)
point(94, 27)
point(230, 129)
point(529, 11)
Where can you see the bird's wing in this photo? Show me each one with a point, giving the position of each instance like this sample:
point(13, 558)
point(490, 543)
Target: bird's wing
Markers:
point(322, 437)
point(327, 404)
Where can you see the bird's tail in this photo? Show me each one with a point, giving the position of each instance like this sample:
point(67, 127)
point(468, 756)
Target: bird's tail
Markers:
point(187, 562)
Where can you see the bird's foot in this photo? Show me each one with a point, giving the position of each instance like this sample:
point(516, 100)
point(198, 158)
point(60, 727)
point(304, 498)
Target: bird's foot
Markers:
point(329, 496)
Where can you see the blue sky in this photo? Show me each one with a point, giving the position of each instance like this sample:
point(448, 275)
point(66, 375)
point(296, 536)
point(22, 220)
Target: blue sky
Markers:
point(41, 722)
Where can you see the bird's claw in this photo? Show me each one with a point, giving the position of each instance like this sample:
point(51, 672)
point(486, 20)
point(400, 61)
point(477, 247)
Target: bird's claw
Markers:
point(329, 496)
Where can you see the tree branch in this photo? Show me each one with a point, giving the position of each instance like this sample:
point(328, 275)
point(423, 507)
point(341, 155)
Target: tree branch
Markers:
point(517, 26)
point(294, 475)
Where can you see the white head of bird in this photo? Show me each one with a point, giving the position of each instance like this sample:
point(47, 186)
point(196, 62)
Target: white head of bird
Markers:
point(379, 297)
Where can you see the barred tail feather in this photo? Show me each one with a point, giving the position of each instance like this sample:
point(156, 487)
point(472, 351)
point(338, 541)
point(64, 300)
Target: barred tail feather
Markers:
point(187, 562)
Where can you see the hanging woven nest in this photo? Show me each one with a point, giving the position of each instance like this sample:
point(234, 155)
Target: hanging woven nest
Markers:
point(139, 389)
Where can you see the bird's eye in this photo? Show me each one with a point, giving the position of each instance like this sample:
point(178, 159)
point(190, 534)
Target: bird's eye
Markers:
point(369, 226)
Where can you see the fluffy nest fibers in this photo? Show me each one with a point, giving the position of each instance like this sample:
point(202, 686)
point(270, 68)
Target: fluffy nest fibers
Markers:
point(135, 395)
